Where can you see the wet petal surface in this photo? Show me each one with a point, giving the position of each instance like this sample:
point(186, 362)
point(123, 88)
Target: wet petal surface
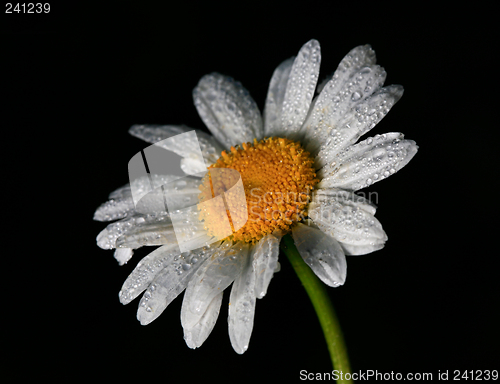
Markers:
point(322, 253)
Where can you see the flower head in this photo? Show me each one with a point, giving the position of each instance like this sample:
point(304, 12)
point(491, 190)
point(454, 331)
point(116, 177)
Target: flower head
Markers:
point(300, 166)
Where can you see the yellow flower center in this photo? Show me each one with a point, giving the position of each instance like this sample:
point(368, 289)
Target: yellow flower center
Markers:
point(278, 177)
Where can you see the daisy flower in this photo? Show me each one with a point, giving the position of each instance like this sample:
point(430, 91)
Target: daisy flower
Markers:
point(300, 164)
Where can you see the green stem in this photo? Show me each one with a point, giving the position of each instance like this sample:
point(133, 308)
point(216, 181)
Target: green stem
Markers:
point(322, 305)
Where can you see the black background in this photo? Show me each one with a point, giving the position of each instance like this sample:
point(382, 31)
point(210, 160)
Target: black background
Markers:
point(75, 81)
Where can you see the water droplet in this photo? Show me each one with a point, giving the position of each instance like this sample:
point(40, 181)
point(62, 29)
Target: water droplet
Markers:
point(356, 96)
point(379, 154)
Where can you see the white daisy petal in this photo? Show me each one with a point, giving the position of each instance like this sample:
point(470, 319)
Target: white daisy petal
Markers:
point(197, 335)
point(242, 308)
point(153, 226)
point(121, 193)
point(119, 205)
point(227, 109)
point(328, 114)
point(214, 275)
point(106, 239)
point(339, 198)
point(355, 123)
point(189, 230)
point(275, 97)
point(195, 240)
point(147, 194)
point(322, 253)
point(361, 56)
point(357, 250)
point(357, 58)
point(144, 235)
point(156, 134)
point(264, 256)
point(177, 194)
point(146, 270)
point(165, 194)
point(344, 197)
point(114, 209)
point(182, 193)
point(161, 157)
point(171, 281)
point(300, 88)
point(192, 166)
point(346, 221)
point(122, 255)
point(108, 236)
point(367, 162)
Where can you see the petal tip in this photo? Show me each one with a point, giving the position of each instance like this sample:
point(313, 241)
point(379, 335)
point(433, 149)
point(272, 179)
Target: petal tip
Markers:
point(313, 43)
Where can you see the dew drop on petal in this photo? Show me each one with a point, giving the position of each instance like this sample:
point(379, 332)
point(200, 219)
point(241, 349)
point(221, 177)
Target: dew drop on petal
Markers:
point(356, 96)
